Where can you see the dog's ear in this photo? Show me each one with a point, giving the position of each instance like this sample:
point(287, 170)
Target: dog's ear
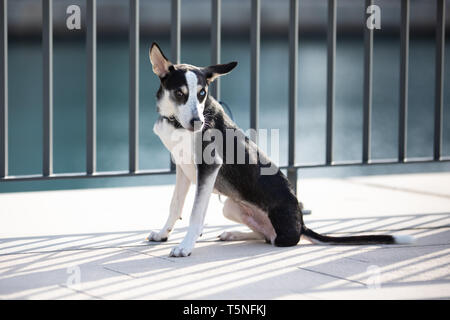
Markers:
point(212, 72)
point(159, 62)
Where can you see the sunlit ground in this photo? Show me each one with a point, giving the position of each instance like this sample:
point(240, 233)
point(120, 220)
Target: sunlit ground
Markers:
point(89, 244)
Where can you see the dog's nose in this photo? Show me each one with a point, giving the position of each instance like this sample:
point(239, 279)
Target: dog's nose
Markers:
point(196, 122)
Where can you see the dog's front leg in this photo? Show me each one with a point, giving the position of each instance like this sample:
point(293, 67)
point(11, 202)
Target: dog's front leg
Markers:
point(206, 178)
point(176, 206)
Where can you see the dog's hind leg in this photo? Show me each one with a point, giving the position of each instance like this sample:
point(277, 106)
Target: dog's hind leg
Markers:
point(232, 211)
point(253, 218)
point(287, 221)
point(240, 236)
point(176, 206)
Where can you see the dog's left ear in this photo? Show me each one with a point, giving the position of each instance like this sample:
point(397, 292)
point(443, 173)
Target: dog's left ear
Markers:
point(212, 72)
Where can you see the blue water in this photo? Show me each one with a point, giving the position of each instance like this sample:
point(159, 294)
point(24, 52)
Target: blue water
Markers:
point(25, 103)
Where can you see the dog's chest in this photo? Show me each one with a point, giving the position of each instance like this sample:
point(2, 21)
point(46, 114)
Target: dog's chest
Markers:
point(180, 143)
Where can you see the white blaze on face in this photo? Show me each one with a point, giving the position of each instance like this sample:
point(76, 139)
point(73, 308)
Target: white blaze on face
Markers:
point(193, 108)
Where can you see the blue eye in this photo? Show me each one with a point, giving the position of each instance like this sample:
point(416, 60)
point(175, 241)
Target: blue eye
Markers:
point(202, 92)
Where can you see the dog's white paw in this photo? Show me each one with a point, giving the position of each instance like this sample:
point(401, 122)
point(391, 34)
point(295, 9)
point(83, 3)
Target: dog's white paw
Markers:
point(227, 236)
point(180, 251)
point(157, 236)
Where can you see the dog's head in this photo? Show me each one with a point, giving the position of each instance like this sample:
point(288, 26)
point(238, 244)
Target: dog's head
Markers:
point(184, 88)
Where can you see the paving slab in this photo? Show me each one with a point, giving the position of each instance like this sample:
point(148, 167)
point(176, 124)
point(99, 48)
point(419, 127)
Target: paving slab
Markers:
point(333, 198)
point(432, 184)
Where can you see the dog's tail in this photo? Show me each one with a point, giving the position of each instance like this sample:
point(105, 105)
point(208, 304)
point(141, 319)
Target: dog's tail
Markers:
point(315, 237)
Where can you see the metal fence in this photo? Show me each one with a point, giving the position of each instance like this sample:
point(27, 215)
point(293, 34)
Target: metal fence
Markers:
point(293, 166)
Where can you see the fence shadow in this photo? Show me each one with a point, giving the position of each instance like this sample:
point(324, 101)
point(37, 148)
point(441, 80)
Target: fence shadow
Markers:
point(122, 265)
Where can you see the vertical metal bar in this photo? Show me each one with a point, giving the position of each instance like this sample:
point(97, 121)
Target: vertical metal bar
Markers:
point(404, 62)
point(254, 68)
point(215, 43)
point(293, 66)
point(4, 89)
point(133, 121)
point(91, 110)
point(47, 42)
point(331, 39)
point(368, 66)
point(175, 32)
point(175, 40)
point(439, 84)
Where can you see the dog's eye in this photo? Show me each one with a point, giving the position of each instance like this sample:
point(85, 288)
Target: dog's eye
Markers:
point(202, 92)
point(179, 93)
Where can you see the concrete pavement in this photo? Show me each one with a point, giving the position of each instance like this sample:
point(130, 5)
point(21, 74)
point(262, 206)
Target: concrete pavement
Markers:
point(89, 244)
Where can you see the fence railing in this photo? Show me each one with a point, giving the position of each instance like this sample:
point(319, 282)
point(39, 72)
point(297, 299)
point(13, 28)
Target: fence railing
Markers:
point(175, 32)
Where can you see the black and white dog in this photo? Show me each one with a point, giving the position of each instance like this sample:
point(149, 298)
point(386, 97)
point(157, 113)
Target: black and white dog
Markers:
point(265, 203)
